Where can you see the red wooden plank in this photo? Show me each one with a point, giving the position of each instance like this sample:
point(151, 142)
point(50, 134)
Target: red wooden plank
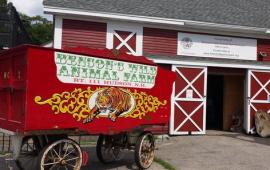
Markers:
point(263, 45)
point(83, 33)
point(159, 41)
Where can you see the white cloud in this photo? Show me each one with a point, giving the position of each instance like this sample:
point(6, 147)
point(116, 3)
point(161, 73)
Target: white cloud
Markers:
point(30, 7)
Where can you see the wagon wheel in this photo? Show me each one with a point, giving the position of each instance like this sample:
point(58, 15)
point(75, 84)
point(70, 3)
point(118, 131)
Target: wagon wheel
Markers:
point(28, 158)
point(144, 151)
point(64, 154)
point(106, 151)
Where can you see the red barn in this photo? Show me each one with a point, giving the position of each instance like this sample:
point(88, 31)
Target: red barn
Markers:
point(218, 49)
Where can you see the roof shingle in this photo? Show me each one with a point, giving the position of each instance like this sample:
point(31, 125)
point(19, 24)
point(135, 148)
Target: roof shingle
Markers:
point(252, 13)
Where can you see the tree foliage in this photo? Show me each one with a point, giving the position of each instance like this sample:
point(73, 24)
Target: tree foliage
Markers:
point(39, 28)
point(3, 3)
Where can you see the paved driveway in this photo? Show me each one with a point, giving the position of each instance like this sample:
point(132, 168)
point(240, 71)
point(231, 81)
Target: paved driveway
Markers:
point(217, 151)
point(214, 151)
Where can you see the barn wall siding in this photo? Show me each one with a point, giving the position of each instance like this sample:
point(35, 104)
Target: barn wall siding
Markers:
point(263, 45)
point(159, 41)
point(78, 33)
point(83, 33)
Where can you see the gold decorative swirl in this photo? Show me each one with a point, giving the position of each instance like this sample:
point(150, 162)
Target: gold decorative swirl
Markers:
point(144, 104)
point(76, 103)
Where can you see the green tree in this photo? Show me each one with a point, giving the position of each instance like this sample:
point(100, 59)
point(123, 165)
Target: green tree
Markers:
point(39, 28)
point(3, 3)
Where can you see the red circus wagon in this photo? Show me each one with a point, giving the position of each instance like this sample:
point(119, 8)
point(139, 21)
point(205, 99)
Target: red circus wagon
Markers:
point(47, 95)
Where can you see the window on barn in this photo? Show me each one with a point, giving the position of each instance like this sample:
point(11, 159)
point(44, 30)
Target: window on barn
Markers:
point(125, 38)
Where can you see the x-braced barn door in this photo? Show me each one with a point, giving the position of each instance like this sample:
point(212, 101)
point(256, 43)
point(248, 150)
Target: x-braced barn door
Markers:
point(258, 96)
point(188, 110)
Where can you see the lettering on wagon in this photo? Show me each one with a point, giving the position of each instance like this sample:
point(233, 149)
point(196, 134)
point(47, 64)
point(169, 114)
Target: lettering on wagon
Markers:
point(79, 69)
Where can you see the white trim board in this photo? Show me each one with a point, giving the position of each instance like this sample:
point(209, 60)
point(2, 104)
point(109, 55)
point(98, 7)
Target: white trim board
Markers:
point(55, 10)
point(148, 19)
point(57, 41)
point(180, 28)
point(211, 64)
point(133, 28)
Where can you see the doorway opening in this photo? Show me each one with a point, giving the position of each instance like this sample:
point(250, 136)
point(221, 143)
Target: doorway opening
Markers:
point(225, 98)
point(214, 115)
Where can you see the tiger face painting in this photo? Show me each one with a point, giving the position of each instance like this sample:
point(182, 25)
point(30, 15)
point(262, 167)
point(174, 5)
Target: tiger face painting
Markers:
point(112, 101)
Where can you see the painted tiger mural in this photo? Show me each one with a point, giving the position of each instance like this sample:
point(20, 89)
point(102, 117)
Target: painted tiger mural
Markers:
point(113, 101)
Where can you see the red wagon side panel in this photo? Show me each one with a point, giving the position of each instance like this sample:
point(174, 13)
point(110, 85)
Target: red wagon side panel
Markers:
point(52, 104)
point(12, 89)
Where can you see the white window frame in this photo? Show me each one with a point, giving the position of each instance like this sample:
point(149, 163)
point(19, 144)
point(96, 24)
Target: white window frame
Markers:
point(134, 28)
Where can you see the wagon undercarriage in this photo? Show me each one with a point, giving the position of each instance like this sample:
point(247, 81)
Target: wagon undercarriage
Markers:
point(49, 152)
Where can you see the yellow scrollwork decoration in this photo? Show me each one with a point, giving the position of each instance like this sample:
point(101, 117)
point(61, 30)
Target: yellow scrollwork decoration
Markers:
point(144, 104)
point(76, 103)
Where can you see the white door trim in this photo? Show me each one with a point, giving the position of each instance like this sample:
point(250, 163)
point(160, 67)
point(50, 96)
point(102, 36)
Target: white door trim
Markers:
point(58, 30)
point(250, 99)
point(212, 64)
point(175, 97)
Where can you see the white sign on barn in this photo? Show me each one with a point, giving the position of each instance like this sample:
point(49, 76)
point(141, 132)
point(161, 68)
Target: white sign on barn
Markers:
point(217, 46)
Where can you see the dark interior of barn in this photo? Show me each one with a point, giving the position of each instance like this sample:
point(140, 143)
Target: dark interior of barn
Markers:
point(225, 99)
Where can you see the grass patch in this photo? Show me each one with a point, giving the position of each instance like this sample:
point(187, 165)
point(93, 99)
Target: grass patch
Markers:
point(87, 142)
point(4, 153)
point(164, 164)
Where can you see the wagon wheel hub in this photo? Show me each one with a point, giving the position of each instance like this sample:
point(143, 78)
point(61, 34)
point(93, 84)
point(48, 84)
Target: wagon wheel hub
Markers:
point(63, 162)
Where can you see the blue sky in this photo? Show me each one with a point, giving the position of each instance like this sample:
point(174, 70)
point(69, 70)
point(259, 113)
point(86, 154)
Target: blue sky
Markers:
point(30, 7)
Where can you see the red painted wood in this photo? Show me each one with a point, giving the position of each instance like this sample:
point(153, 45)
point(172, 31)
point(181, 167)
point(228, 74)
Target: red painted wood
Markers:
point(131, 42)
point(263, 45)
point(83, 34)
point(4, 103)
point(159, 41)
point(228, 71)
point(255, 87)
point(189, 106)
point(25, 115)
point(12, 89)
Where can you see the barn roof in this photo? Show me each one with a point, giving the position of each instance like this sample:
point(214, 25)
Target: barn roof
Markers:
point(251, 13)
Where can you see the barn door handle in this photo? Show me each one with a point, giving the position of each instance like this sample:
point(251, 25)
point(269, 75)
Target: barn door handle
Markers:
point(248, 100)
point(6, 75)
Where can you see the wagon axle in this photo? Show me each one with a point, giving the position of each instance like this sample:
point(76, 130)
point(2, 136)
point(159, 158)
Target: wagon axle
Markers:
point(59, 152)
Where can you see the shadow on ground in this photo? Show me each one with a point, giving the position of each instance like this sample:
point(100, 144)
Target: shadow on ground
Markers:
point(244, 137)
point(127, 163)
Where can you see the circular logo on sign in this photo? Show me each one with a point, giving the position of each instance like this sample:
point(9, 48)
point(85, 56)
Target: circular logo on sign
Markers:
point(186, 42)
